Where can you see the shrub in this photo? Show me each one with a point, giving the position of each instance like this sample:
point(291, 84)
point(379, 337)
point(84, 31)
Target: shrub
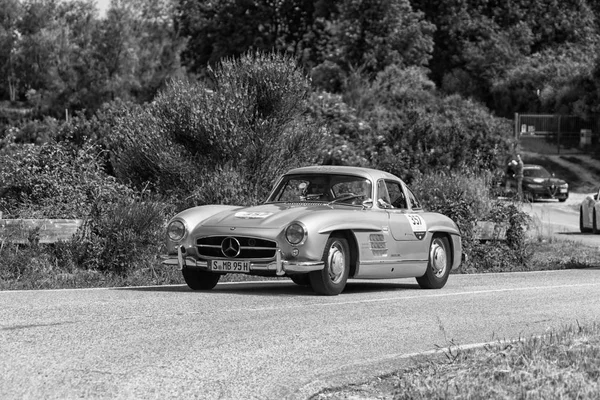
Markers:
point(121, 235)
point(222, 185)
point(398, 123)
point(467, 199)
point(511, 254)
point(328, 76)
point(54, 180)
point(250, 121)
point(464, 197)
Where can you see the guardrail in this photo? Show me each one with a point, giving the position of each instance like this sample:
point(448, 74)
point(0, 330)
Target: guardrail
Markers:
point(487, 230)
point(31, 231)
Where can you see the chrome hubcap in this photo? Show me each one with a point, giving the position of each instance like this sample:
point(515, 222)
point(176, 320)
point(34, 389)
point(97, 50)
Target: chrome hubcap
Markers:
point(337, 262)
point(438, 258)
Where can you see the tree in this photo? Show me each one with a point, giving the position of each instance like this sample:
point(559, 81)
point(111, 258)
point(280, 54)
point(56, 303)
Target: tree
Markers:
point(477, 41)
point(545, 82)
point(137, 48)
point(219, 29)
point(374, 34)
point(10, 13)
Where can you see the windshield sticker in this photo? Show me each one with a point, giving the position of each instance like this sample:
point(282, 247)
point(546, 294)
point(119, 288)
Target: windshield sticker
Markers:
point(418, 225)
point(252, 215)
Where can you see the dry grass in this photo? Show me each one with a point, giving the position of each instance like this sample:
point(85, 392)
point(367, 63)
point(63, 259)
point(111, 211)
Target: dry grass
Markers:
point(562, 365)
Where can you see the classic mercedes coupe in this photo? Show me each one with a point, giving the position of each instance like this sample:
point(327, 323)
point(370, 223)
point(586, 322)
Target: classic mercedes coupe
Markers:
point(320, 226)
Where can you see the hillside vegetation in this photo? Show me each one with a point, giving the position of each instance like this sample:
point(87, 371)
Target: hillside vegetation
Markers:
point(125, 119)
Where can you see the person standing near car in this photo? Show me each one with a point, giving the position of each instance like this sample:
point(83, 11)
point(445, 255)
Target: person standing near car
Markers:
point(519, 176)
point(509, 177)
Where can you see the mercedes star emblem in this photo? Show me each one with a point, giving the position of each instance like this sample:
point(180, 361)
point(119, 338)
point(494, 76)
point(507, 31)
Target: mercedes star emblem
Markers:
point(230, 247)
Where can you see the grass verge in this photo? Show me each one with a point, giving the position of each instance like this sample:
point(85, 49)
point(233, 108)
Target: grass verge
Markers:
point(564, 364)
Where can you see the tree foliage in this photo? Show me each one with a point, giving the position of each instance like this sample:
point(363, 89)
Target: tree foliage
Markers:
point(60, 55)
point(400, 123)
point(477, 42)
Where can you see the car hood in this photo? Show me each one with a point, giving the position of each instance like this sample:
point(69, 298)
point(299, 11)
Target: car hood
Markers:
point(545, 181)
point(265, 216)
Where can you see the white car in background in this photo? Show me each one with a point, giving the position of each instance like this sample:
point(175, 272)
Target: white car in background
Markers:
point(589, 213)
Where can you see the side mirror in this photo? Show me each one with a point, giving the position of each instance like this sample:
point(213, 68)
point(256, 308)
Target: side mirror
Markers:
point(368, 203)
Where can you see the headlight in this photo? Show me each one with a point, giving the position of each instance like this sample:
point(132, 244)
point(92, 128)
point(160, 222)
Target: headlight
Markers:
point(564, 185)
point(295, 233)
point(176, 231)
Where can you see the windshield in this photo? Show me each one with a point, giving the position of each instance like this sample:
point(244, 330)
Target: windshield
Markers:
point(345, 189)
point(536, 172)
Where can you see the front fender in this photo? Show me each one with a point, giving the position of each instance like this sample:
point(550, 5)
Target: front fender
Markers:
point(440, 223)
point(350, 226)
point(191, 218)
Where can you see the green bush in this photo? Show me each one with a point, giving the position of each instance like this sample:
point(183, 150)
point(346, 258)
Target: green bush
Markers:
point(222, 185)
point(399, 123)
point(121, 235)
point(464, 197)
point(251, 119)
point(54, 180)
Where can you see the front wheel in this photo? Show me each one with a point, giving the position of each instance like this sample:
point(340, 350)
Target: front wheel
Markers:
point(331, 280)
point(200, 280)
point(439, 265)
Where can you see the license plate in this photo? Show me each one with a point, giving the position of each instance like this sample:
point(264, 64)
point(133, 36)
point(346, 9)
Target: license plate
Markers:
point(229, 266)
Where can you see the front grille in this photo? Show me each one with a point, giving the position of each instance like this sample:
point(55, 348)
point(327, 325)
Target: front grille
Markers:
point(552, 190)
point(249, 248)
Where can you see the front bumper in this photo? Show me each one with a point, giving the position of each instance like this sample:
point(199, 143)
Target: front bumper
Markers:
point(546, 192)
point(279, 266)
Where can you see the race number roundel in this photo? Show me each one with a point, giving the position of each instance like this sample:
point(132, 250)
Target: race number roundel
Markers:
point(418, 225)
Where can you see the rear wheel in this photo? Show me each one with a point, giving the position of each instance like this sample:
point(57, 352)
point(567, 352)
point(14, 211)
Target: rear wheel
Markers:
point(331, 280)
point(200, 280)
point(439, 265)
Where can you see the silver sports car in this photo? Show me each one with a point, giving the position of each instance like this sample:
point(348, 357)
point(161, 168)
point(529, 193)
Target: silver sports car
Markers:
point(320, 226)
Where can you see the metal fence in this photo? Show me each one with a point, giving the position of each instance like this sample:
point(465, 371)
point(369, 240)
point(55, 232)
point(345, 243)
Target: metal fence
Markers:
point(556, 134)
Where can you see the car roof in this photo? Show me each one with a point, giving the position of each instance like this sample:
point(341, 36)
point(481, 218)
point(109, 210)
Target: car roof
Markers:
point(369, 173)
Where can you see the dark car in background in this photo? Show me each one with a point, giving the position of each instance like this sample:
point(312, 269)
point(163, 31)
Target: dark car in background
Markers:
point(538, 183)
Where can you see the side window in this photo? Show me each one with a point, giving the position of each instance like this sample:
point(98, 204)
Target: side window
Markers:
point(414, 203)
point(382, 192)
point(398, 200)
point(391, 194)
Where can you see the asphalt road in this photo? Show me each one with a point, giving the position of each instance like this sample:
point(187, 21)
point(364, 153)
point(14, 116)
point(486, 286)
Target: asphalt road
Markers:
point(560, 220)
point(263, 340)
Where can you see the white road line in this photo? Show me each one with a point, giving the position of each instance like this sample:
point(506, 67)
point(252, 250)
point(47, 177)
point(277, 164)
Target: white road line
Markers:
point(397, 298)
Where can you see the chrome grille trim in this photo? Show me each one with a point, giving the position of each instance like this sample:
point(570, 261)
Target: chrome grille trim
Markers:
point(210, 247)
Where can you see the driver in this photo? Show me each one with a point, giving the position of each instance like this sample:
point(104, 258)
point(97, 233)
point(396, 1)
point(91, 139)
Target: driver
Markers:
point(317, 190)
